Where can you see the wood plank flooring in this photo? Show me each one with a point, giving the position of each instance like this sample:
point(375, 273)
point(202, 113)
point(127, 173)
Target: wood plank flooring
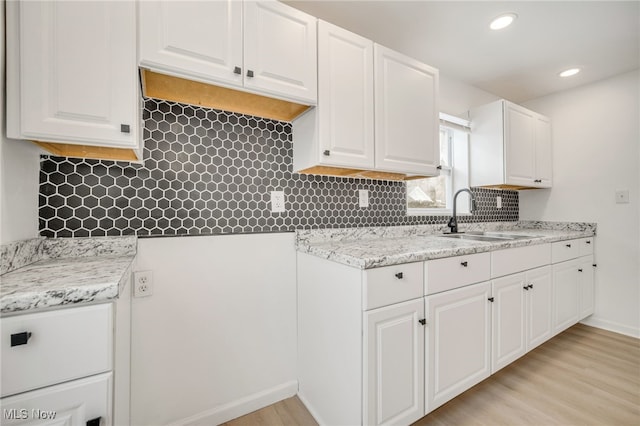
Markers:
point(584, 376)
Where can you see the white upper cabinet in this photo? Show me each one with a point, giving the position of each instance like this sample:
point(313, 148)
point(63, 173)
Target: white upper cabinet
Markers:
point(192, 38)
point(264, 47)
point(71, 73)
point(345, 98)
point(510, 146)
point(406, 114)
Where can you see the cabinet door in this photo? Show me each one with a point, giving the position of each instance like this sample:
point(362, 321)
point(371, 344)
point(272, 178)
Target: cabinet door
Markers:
point(519, 145)
point(544, 160)
point(345, 97)
point(458, 344)
point(71, 403)
point(508, 320)
point(280, 51)
point(406, 114)
point(539, 301)
point(394, 364)
point(77, 72)
point(565, 295)
point(200, 39)
point(587, 283)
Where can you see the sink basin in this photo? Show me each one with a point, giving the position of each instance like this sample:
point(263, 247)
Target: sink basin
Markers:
point(488, 236)
point(474, 237)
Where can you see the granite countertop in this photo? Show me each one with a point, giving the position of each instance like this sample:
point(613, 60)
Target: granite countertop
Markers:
point(367, 248)
point(49, 273)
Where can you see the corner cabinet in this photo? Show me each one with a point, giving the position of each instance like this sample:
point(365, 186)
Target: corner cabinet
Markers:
point(510, 147)
point(377, 111)
point(263, 47)
point(72, 77)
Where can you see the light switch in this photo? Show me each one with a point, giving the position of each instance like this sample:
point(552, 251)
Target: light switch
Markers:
point(622, 196)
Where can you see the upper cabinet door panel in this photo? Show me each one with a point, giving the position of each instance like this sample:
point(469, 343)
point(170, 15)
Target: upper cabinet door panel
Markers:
point(345, 97)
point(202, 39)
point(544, 155)
point(520, 145)
point(406, 114)
point(280, 51)
point(78, 77)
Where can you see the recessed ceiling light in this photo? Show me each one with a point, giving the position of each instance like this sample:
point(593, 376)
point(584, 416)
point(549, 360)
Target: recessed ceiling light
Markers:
point(503, 21)
point(569, 72)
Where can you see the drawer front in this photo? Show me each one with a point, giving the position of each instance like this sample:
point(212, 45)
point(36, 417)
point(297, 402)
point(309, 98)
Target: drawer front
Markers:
point(71, 403)
point(453, 272)
point(513, 260)
point(585, 246)
point(565, 250)
point(392, 284)
point(64, 344)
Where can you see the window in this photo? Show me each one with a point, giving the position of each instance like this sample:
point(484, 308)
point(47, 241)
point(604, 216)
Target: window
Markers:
point(434, 196)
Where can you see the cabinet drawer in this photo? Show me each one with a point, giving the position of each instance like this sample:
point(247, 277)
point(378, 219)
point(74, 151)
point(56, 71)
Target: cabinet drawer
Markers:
point(585, 246)
point(72, 403)
point(65, 344)
point(510, 261)
point(453, 272)
point(392, 284)
point(565, 250)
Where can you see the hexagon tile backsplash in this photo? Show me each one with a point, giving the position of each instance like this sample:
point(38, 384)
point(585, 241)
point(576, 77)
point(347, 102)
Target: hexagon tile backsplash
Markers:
point(211, 172)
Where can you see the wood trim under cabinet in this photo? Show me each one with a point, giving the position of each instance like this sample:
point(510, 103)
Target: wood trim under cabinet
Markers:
point(356, 173)
point(88, 151)
point(176, 89)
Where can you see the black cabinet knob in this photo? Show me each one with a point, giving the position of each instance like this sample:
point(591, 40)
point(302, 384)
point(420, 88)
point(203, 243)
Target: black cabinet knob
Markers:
point(422, 321)
point(94, 422)
point(526, 287)
point(588, 241)
point(237, 70)
point(568, 245)
point(465, 263)
point(490, 299)
point(580, 270)
point(326, 152)
point(125, 128)
point(19, 339)
point(399, 275)
point(249, 73)
point(530, 286)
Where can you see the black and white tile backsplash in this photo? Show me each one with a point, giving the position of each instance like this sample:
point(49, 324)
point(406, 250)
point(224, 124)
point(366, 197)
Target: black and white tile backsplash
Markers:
point(211, 172)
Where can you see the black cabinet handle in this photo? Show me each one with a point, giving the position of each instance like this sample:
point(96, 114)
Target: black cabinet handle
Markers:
point(326, 152)
point(19, 339)
point(588, 241)
point(537, 180)
point(580, 270)
point(530, 286)
point(237, 70)
point(399, 275)
point(422, 321)
point(125, 128)
point(465, 263)
point(94, 422)
point(526, 287)
point(249, 73)
point(490, 299)
point(568, 245)
point(595, 265)
point(439, 167)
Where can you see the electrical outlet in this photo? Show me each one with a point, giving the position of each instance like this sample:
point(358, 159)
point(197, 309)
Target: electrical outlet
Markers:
point(363, 198)
point(277, 202)
point(498, 202)
point(142, 284)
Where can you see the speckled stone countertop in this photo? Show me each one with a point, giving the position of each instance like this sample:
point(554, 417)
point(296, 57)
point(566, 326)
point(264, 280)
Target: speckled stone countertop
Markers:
point(374, 247)
point(48, 273)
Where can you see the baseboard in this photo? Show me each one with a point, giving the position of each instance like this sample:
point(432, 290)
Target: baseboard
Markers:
point(310, 409)
point(240, 407)
point(612, 326)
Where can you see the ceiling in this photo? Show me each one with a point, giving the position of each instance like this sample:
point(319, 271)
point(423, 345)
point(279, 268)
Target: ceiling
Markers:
point(518, 63)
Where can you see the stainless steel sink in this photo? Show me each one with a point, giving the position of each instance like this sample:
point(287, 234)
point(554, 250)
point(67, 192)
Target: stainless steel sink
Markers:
point(488, 236)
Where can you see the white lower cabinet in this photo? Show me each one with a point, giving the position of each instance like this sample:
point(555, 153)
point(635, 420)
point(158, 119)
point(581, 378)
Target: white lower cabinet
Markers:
point(85, 401)
point(67, 366)
point(458, 351)
point(393, 363)
point(521, 316)
point(388, 345)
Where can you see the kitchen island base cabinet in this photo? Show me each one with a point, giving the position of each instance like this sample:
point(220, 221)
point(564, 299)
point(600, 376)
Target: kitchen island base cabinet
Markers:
point(459, 342)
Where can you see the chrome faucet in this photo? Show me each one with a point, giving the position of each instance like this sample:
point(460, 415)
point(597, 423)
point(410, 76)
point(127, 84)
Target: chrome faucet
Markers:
point(453, 222)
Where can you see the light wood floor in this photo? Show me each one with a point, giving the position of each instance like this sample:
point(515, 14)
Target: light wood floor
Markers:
point(584, 376)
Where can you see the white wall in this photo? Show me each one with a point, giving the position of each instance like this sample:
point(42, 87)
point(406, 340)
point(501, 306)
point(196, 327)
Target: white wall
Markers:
point(596, 138)
point(19, 168)
point(456, 97)
point(217, 339)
